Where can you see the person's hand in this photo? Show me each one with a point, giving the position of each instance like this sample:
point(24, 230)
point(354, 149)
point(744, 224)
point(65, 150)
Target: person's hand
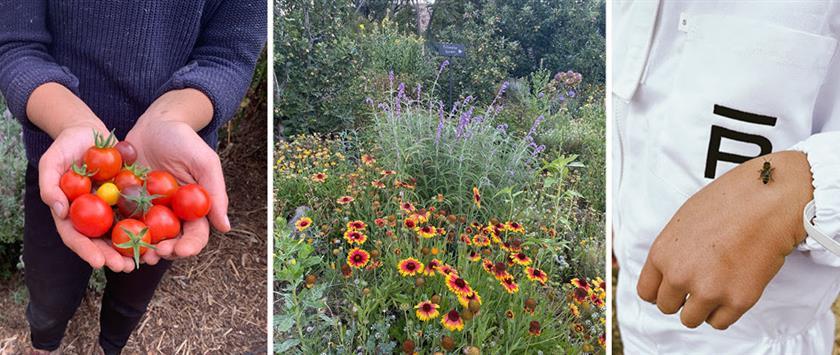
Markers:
point(68, 148)
point(725, 244)
point(174, 146)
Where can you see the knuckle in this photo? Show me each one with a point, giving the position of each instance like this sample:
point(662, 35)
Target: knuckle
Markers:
point(688, 322)
point(677, 280)
point(667, 308)
point(706, 295)
point(718, 324)
point(741, 304)
point(645, 294)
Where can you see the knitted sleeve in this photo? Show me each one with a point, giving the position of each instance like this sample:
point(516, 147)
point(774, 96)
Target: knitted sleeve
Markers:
point(25, 62)
point(222, 63)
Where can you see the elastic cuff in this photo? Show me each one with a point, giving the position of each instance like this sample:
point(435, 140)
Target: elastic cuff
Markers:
point(821, 150)
point(20, 88)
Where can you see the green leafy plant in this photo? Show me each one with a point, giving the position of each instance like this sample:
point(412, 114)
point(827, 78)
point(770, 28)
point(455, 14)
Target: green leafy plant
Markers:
point(12, 171)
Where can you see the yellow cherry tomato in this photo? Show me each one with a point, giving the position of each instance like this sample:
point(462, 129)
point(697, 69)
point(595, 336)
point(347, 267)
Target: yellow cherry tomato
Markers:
point(109, 193)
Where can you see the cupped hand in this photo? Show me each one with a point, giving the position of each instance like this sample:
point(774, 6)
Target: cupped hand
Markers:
point(68, 148)
point(174, 146)
point(724, 245)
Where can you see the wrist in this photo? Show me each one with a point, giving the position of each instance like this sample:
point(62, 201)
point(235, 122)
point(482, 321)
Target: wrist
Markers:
point(53, 108)
point(90, 123)
point(186, 106)
point(795, 174)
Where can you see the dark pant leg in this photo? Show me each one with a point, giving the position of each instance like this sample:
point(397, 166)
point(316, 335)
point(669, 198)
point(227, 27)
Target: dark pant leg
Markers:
point(124, 303)
point(55, 276)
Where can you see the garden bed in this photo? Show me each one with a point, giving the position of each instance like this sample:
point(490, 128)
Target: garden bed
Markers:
point(443, 229)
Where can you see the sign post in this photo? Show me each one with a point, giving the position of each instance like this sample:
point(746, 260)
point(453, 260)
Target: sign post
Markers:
point(451, 50)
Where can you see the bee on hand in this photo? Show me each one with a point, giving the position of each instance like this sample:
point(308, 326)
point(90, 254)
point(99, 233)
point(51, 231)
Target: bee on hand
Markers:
point(766, 173)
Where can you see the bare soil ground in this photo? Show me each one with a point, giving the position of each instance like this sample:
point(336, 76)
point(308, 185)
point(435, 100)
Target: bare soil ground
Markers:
point(213, 303)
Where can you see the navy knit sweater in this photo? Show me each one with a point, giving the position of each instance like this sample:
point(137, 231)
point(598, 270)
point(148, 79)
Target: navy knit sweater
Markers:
point(119, 56)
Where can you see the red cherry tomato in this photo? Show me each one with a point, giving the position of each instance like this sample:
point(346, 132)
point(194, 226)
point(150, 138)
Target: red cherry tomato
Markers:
point(191, 202)
point(131, 238)
point(127, 151)
point(103, 159)
point(75, 182)
point(163, 223)
point(134, 202)
point(91, 216)
point(126, 178)
point(161, 183)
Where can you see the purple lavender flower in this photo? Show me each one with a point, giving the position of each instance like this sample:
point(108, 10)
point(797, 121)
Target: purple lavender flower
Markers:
point(440, 122)
point(454, 108)
point(467, 100)
point(533, 130)
point(391, 79)
point(538, 150)
point(443, 66)
point(463, 122)
point(419, 89)
point(571, 93)
point(499, 94)
point(369, 101)
point(541, 95)
point(400, 95)
point(382, 106)
point(502, 128)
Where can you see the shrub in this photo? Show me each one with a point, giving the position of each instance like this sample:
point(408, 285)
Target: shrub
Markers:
point(329, 59)
point(583, 134)
point(12, 171)
point(451, 151)
point(489, 58)
point(551, 34)
point(315, 62)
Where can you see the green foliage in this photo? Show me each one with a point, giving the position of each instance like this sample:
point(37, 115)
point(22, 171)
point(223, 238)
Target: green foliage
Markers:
point(490, 54)
point(316, 63)
point(557, 34)
point(583, 133)
point(12, 171)
point(329, 60)
point(299, 308)
point(553, 34)
point(332, 55)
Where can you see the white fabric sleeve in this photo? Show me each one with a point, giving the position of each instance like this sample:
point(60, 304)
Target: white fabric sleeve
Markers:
point(823, 151)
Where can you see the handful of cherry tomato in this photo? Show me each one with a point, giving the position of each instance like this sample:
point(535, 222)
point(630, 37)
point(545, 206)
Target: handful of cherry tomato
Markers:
point(147, 206)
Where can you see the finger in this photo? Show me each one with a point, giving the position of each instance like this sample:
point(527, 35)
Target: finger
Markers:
point(196, 234)
point(722, 317)
point(50, 168)
point(78, 243)
point(649, 280)
point(209, 174)
point(696, 310)
point(150, 257)
point(670, 298)
point(113, 259)
point(165, 248)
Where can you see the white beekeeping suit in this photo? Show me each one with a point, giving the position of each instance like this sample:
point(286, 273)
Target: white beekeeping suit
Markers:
point(699, 87)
